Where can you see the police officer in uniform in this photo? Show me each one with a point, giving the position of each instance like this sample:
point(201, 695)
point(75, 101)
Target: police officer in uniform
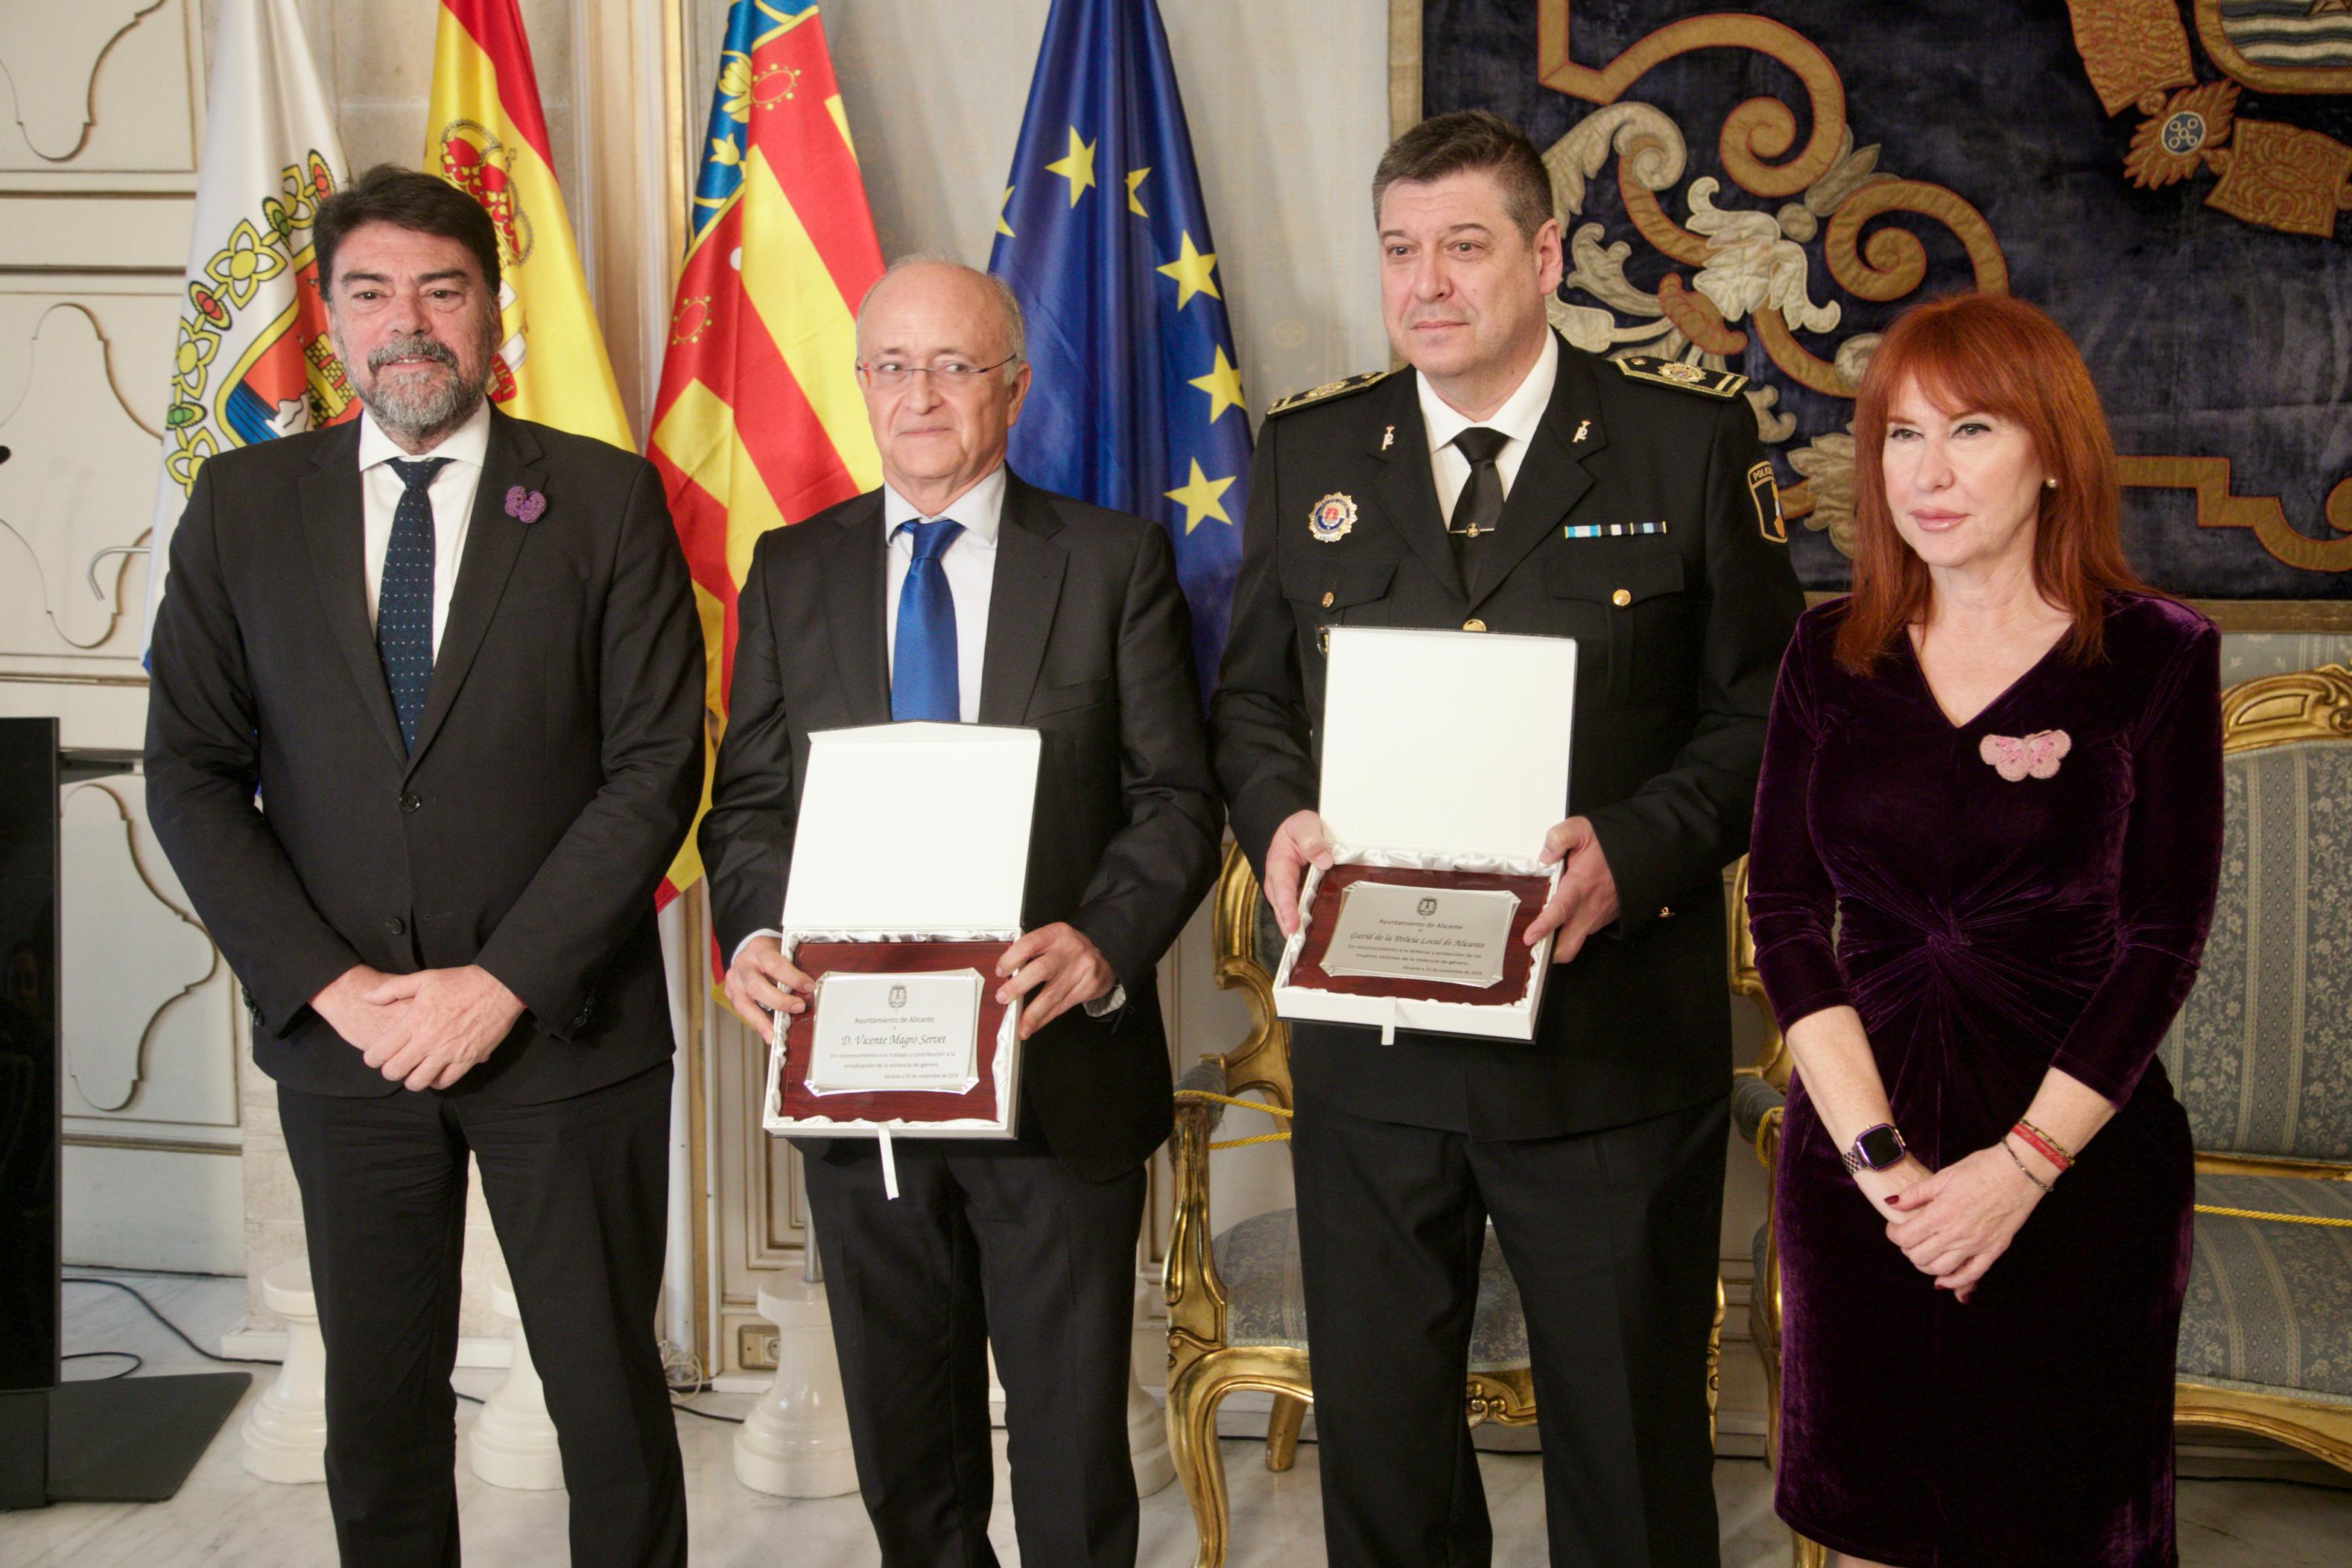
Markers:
point(1507, 481)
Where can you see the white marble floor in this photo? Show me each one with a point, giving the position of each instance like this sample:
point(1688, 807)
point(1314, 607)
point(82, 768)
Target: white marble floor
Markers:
point(223, 1516)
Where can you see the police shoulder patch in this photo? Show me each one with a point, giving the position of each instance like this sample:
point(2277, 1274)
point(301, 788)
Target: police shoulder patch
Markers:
point(1328, 391)
point(1675, 374)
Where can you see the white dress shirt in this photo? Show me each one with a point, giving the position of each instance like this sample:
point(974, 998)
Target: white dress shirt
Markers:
point(452, 492)
point(969, 562)
point(1518, 418)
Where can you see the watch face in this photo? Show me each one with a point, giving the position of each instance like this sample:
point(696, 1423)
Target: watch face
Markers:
point(1880, 1147)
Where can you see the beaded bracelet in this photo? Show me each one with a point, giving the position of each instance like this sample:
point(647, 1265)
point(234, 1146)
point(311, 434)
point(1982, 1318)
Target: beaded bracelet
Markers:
point(2042, 1144)
point(2020, 1166)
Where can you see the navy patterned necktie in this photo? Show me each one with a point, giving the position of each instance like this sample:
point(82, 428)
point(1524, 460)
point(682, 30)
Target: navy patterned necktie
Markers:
point(404, 606)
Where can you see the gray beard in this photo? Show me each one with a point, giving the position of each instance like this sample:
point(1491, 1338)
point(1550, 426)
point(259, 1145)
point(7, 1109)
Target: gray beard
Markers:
point(418, 414)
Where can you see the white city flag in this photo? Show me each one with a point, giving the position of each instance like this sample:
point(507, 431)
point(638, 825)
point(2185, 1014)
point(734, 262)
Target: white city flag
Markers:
point(252, 361)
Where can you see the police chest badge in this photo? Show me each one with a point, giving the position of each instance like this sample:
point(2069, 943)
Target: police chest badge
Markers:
point(1333, 516)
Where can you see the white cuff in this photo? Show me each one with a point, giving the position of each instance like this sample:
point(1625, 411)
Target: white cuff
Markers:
point(1107, 1003)
point(749, 940)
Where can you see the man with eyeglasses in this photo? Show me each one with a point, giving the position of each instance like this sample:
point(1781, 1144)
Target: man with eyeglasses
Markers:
point(956, 593)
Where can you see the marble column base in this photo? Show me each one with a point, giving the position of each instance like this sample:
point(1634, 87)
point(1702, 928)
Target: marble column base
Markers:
point(796, 1441)
point(513, 1444)
point(285, 1436)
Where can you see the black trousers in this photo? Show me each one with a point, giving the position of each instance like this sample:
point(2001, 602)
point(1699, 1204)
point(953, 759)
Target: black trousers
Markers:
point(577, 1190)
point(986, 1244)
point(1612, 1238)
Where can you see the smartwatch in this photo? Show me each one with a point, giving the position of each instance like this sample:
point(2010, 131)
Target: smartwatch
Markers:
point(1877, 1148)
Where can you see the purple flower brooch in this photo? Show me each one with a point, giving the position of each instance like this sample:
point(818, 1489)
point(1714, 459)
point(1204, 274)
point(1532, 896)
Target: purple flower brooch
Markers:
point(524, 505)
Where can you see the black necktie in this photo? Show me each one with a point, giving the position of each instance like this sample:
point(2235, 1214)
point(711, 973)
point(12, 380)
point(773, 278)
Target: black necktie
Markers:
point(1478, 510)
point(403, 605)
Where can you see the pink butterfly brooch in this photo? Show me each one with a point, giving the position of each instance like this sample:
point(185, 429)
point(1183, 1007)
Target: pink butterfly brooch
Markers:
point(2036, 756)
point(525, 505)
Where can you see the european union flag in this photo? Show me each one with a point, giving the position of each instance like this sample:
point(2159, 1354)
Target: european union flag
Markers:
point(1136, 404)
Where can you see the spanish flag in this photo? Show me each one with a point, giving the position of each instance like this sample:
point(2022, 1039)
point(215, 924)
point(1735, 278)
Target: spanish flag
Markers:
point(759, 422)
point(486, 135)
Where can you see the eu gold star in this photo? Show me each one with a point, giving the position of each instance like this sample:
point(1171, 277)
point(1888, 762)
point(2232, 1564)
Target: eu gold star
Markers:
point(1002, 226)
point(1198, 498)
point(1195, 274)
point(1222, 383)
point(1077, 168)
point(1135, 178)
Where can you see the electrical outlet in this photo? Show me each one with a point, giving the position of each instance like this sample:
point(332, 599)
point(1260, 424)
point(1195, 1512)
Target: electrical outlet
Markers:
point(755, 1347)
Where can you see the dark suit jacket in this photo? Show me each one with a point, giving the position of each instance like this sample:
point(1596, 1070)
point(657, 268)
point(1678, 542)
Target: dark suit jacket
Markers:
point(556, 771)
point(1089, 643)
point(1672, 686)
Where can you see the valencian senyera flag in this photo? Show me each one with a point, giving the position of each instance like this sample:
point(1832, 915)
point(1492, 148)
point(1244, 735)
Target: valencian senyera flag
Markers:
point(485, 133)
point(759, 422)
point(1137, 404)
point(253, 361)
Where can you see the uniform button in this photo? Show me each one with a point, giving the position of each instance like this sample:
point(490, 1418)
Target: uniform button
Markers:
point(1666, 913)
point(410, 802)
point(1323, 639)
point(1473, 624)
point(395, 925)
point(1621, 597)
point(1327, 601)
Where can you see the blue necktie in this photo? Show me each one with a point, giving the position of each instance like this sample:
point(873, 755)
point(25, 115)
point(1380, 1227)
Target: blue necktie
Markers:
point(923, 665)
point(404, 606)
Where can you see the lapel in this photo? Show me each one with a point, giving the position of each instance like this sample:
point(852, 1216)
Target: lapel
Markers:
point(334, 531)
point(854, 609)
point(1552, 477)
point(1021, 600)
point(1407, 487)
point(493, 540)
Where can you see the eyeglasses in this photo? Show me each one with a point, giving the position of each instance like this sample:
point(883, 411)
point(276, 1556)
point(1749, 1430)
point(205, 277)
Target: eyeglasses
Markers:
point(950, 375)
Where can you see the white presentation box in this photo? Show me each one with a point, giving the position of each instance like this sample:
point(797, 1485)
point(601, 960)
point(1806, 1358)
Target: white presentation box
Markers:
point(1443, 752)
point(911, 854)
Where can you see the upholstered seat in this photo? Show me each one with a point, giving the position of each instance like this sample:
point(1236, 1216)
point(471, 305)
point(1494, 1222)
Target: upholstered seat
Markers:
point(2261, 1056)
point(1258, 1262)
point(2270, 1301)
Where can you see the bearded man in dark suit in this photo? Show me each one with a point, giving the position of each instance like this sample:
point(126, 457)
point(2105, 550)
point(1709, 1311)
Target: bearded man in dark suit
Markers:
point(425, 731)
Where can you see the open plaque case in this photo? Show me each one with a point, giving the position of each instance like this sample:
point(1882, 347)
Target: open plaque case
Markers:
point(1436, 819)
point(909, 866)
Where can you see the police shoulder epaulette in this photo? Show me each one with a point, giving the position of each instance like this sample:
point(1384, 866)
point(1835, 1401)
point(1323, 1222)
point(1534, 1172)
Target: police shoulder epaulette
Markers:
point(1326, 391)
point(1675, 374)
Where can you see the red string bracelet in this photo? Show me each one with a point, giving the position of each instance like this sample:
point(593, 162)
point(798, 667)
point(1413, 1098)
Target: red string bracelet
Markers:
point(2041, 1144)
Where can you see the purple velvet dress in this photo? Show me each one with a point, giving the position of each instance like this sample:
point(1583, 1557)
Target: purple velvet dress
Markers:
point(2005, 899)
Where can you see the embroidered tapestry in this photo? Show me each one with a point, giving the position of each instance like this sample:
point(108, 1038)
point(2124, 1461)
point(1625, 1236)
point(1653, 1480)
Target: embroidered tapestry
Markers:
point(1762, 191)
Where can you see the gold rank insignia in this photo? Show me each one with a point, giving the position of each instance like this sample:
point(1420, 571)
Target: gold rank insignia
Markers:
point(1675, 374)
point(1333, 516)
point(1328, 390)
point(1765, 492)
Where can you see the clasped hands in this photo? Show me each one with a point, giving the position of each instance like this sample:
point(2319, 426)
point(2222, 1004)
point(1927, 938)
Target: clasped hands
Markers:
point(423, 1030)
point(1954, 1224)
point(1055, 967)
point(1584, 901)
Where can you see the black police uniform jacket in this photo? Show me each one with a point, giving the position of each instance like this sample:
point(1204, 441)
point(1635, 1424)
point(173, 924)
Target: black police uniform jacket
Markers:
point(1680, 631)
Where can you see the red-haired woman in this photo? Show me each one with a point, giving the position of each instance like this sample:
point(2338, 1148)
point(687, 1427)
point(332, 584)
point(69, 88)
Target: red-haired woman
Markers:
point(1988, 832)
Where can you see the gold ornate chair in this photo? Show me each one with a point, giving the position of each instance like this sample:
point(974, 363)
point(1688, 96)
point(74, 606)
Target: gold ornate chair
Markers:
point(1236, 1315)
point(2261, 1056)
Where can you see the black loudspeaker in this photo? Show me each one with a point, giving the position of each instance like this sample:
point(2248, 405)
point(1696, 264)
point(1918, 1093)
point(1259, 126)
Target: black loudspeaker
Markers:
point(132, 1440)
